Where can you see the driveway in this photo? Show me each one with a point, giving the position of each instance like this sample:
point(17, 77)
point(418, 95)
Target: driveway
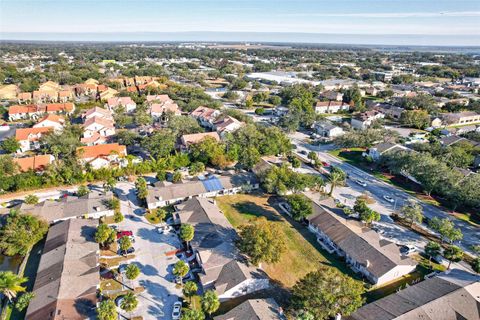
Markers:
point(150, 255)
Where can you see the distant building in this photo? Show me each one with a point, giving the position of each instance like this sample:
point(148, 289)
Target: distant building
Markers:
point(389, 110)
point(461, 118)
point(102, 155)
point(452, 295)
point(380, 149)
point(331, 107)
point(332, 95)
point(227, 124)
point(328, 130)
point(194, 138)
point(68, 276)
point(206, 116)
point(36, 163)
point(29, 138)
point(126, 102)
point(365, 119)
point(51, 121)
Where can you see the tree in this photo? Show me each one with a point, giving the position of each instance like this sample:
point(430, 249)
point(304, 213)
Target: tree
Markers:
point(413, 212)
point(24, 301)
point(129, 302)
point(368, 216)
point(249, 157)
point(453, 254)
point(125, 243)
point(337, 177)
point(446, 228)
point(107, 310)
point(109, 184)
point(118, 217)
point(327, 292)
point(432, 249)
point(11, 284)
point(160, 214)
point(160, 144)
point(300, 206)
point(141, 186)
point(10, 145)
point(31, 199)
point(187, 231)
point(476, 265)
point(177, 176)
point(104, 234)
point(132, 271)
point(419, 119)
point(262, 241)
point(82, 191)
point(192, 314)
point(180, 269)
point(313, 157)
point(196, 168)
point(190, 289)
point(20, 232)
point(210, 302)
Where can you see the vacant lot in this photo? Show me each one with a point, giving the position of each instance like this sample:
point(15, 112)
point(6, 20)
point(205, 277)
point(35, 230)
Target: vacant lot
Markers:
point(302, 255)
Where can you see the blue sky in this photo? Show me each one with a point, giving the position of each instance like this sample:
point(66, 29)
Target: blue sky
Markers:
point(446, 18)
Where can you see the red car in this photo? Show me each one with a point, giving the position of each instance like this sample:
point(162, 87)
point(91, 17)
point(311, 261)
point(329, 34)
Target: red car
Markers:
point(121, 234)
point(325, 164)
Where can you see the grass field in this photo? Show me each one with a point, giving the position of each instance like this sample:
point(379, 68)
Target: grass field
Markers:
point(303, 253)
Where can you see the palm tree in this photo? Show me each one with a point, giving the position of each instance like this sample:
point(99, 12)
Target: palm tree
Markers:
point(210, 302)
point(453, 254)
point(129, 302)
point(336, 178)
point(11, 284)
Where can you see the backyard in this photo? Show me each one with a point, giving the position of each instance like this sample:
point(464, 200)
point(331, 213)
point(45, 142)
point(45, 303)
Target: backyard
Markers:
point(303, 253)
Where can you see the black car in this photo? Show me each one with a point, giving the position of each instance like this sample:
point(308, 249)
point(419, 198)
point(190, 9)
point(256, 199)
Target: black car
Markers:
point(128, 251)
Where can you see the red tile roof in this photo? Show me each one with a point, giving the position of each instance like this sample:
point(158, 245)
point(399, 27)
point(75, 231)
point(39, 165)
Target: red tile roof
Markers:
point(23, 134)
point(101, 150)
point(35, 163)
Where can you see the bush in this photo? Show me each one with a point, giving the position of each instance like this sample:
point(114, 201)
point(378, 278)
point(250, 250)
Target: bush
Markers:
point(118, 217)
point(260, 111)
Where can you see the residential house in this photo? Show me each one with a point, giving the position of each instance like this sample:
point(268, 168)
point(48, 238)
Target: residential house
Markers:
point(126, 102)
point(97, 112)
point(102, 155)
point(332, 95)
point(451, 140)
point(24, 97)
point(328, 130)
point(106, 94)
point(94, 205)
point(58, 108)
point(68, 276)
point(96, 130)
point(389, 110)
point(380, 149)
point(65, 96)
point(51, 121)
point(378, 260)
point(188, 139)
point(365, 119)
point(214, 249)
point(254, 309)
point(206, 116)
point(29, 138)
point(161, 104)
point(331, 107)
point(167, 193)
point(436, 123)
point(21, 112)
point(49, 86)
point(466, 129)
point(8, 92)
point(227, 124)
point(44, 96)
point(461, 118)
point(451, 295)
point(36, 163)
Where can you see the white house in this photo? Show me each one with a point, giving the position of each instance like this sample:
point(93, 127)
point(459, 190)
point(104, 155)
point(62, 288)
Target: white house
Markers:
point(102, 155)
point(365, 119)
point(328, 130)
point(51, 121)
point(331, 107)
point(206, 116)
point(126, 102)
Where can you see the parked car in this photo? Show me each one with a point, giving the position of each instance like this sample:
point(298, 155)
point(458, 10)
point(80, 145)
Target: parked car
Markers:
point(128, 251)
point(325, 164)
point(119, 300)
point(361, 182)
point(121, 234)
point(177, 310)
point(389, 199)
point(407, 249)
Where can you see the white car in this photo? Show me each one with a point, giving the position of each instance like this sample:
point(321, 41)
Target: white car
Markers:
point(177, 310)
point(407, 249)
point(389, 199)
point(361, 182)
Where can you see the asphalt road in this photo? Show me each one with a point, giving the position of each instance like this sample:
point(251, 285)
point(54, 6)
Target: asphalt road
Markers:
point(378, 189)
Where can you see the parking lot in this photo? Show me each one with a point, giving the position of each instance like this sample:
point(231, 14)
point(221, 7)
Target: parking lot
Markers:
point(153, 255)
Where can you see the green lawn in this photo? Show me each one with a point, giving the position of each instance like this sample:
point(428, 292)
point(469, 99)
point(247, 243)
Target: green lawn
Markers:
point(303, 253)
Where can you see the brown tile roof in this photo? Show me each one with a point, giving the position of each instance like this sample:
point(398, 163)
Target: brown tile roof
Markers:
point(31, 108)
point(53, 118)
point(193, 138)
point(57, 107)
point(35, 163)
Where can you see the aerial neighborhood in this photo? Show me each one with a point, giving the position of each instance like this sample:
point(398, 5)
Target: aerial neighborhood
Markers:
point(215, 181)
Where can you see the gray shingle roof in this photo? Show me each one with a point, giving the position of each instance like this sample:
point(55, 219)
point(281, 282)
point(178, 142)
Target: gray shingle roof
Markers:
point(446, 297)
point(68, 273)
point(362, 244)
point(254, 309)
